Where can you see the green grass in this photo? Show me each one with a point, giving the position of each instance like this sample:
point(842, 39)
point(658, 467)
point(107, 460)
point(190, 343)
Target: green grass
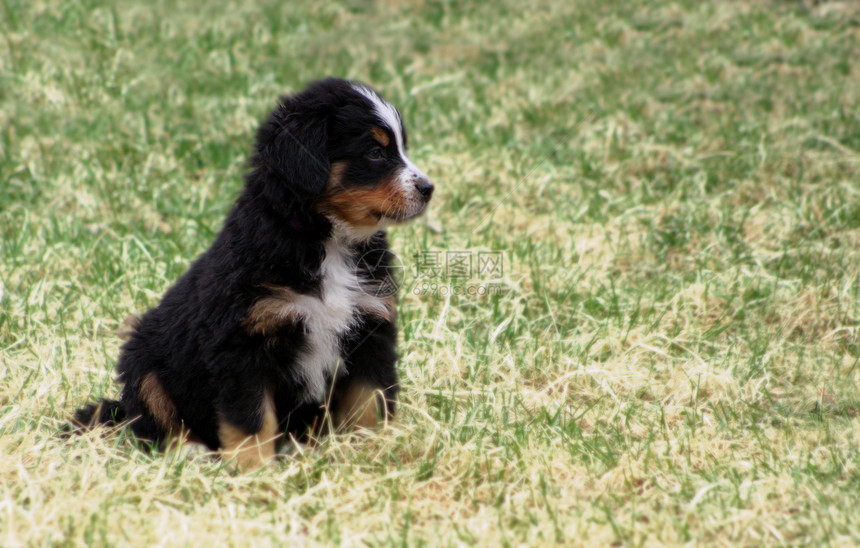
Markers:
point(675, 187)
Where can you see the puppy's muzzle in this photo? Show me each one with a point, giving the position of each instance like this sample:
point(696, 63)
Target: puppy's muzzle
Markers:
point(425, 188)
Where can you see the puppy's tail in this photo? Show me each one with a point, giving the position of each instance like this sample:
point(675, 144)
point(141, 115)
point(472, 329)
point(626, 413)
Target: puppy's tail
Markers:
point(109, 412)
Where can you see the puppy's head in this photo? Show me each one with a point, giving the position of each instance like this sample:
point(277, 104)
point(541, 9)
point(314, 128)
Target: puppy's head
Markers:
point(344, 146)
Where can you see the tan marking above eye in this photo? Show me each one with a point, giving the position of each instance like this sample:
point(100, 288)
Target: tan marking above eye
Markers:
point(381, 136)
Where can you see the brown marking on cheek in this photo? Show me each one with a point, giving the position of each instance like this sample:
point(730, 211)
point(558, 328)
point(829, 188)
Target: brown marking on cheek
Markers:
point(273, 311)
point(364, 206)
point(158, 402)
point(381, 136)
point(251, 450)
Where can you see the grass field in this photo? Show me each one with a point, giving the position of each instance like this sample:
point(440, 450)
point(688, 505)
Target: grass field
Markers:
point(667, 354)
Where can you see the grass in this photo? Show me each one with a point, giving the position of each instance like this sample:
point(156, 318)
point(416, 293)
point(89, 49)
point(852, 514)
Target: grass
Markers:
point(670, 354)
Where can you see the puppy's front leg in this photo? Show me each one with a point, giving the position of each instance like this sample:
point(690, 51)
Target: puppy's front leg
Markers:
point(359, 404)
point(367, 394)
point(247, 430)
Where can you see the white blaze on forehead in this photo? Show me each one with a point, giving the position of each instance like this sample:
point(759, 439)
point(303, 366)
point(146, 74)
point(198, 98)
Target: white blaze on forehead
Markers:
point(386, 112)
point(389, 115)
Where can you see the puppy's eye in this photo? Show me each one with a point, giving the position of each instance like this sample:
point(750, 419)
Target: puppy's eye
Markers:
point(375, 154)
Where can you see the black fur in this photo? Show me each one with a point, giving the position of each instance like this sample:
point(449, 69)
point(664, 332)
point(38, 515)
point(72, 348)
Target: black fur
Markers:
point(196, 342)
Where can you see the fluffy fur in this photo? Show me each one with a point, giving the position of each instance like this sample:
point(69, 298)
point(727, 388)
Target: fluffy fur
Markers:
point(284, 320)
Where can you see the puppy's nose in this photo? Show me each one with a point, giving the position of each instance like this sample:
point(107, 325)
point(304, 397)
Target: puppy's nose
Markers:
point(425, 188)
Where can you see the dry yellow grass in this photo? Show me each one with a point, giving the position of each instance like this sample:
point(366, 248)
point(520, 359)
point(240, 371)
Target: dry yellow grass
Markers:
point(674, 187)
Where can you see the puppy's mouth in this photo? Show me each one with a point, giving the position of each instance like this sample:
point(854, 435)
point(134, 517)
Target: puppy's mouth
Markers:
point(400, 216)
point(410, 201)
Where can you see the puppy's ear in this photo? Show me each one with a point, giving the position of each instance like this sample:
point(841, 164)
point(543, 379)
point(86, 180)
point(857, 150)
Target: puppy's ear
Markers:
point(293, 145)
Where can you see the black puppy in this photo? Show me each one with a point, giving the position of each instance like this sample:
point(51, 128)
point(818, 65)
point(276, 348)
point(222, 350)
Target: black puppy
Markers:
point(287, 316)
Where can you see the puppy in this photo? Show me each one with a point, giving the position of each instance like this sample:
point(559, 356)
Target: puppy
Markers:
point(287, 320)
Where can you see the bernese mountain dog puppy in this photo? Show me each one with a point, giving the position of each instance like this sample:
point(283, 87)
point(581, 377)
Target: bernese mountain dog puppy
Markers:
point(287, 321)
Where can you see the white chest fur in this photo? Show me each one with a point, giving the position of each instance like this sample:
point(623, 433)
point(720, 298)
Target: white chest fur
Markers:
point(328, 317)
